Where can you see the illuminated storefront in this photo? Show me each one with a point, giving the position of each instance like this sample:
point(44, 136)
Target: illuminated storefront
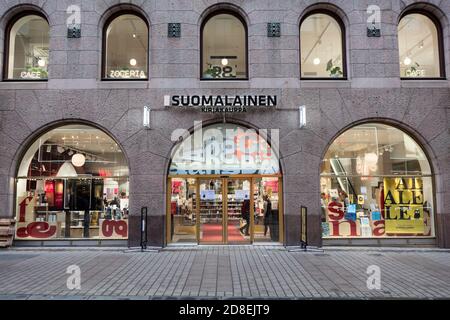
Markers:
point(225, 186)
point(301, 108)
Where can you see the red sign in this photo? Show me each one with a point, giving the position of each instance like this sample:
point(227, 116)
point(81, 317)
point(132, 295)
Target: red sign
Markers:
point(38, 230)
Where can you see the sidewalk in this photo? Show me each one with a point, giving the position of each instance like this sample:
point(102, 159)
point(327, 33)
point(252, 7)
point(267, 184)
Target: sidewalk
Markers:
point(249, 272)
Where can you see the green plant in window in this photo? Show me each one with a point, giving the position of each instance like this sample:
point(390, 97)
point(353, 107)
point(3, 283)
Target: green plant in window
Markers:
point(335, 71)
point(210, 72)
point(42, 72)
point(413, 70)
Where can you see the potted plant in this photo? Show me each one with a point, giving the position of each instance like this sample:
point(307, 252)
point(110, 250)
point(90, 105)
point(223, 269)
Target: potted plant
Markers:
point(335, 71)
point(41, 71)
point(413, 71)
point(209, 73)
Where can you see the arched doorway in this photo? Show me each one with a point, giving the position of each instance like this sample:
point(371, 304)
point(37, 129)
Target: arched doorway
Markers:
point(224, 187)
point(376, 183)
point(72, 184)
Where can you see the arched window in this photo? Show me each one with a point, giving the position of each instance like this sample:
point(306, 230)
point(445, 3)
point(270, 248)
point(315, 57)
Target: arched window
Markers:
point(376, 182)
point(125, 50)
point(224, 47)
point(73, 183)
point(27, 48)
point(322, 46)
point(420, 46)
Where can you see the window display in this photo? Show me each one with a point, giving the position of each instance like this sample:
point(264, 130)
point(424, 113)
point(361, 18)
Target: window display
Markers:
point(376, 182)
point(183, 210)
point(73, 183)
point(224, 47)
point(126, 49)
point(321, 44)
point(418, 41)
point(224, 149)
point(28, 48)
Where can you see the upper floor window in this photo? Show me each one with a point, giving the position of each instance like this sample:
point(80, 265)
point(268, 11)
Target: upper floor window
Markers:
point(224, 47)
point(27, 48)
point(322, 46)
point(126, 48)
point(419, 41)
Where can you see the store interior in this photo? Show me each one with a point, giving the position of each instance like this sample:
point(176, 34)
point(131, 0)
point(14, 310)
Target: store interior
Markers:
point(73, 183)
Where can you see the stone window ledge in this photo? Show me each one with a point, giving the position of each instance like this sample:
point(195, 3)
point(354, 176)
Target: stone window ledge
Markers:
point(28, 85)
point(325, 83)
point(425, 83)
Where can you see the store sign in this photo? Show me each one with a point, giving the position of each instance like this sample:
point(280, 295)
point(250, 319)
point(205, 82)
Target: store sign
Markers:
point(36, 230)
point(242, 194)
point(127, 74)
point(30, 75)
point(404, 205)
point(415, 73)
point(221, 104)
point(207, 195)
point(113, 229)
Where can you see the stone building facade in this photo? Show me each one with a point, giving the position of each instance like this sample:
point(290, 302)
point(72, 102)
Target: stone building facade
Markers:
point(373, 91)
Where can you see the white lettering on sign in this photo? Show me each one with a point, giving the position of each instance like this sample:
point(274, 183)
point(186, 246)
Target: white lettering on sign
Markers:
point(30, 75)
point(415, 73)
point(127, 74)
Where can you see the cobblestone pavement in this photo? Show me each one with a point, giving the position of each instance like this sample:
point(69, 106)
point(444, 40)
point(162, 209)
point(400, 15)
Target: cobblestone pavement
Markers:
point(224, 272)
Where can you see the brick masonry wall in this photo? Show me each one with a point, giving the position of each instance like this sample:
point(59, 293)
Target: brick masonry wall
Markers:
point(373, 91)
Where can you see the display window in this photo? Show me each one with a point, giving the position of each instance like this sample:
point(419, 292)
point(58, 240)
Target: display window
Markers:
point(224, 47)
point(126, 48)
point(27, 54)
point(376, 182)
point(322, 46)
point(419, 41)
point(225, 187)
point(73, 184)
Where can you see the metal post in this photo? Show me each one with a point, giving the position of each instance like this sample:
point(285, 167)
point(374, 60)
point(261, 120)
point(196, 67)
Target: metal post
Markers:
point(144, 237)
point(304, 229)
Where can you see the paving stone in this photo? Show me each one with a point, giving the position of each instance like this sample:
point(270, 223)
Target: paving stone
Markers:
point(239, 271)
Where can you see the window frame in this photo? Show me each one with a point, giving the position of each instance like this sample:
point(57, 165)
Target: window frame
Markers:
point(440, 39)
point(8, 29)
point(104, 43)
point(202, 27)
point(343, 44)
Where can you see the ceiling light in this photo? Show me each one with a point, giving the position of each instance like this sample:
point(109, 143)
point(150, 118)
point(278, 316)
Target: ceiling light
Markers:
point(224, 61)
point(133, 62)
point(316, 61)
point(78, 160)
point(134, 35)
point(407, 61)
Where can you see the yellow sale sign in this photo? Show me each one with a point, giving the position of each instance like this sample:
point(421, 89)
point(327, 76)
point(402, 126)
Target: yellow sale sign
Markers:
point(403, 201)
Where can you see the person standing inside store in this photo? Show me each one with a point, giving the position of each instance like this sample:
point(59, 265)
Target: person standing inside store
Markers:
point(267, 214)
point(245, 212)
point(323, 206)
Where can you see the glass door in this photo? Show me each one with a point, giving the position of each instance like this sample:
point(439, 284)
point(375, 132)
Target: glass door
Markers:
point(267, 192)
point(211, 211)
point(239, 211)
